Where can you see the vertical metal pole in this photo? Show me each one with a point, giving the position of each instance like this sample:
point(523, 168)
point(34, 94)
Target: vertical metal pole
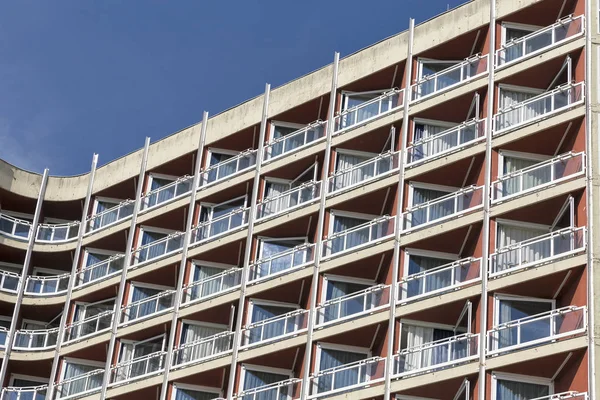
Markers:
point(389, 362)
point(119, 299)
point(15, 316)
point(183, 263)
point(304, 391)
point(486, 202)
point(237, 338)
point(63, 318)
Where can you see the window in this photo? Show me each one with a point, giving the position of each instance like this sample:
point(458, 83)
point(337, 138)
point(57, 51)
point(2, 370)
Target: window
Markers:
point(425, 130)
point(419, 261)
point(285, 129)
point(507, 386)
point(89, 313)
point(8, 282)
point(515, 95)
point(261, 310)
point(513, 232)
point(17, 380)
point(47, 286)
point(183, 391)
point(157, 181)
point(214, 278)
point(138, 308)
point(220, 218)
point(269, 248)
point(331, 356)
point(428, 67)
point(511, 162)
point(224, 169)
point(192, 332)
point(72, 368)
point(18, 228)
point(156, 246)
point(420, 193)
point(335, 287)
point(364, 112)
point(347, 161)
point(512, 32)
point(4, 327)
point(133, 358)
point(42, 339)
point(102, 267)
point(102, 205)
point(511, 308)
point(254, 377)
point(344, 221)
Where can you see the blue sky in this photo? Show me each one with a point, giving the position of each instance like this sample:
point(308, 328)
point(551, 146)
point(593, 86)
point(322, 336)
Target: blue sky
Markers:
point(82, 76)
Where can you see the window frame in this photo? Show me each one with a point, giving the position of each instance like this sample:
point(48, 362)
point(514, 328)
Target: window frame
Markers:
point(134, 284)
point(262, 239)
point(150, 229)
point(506, 376)
point(408, 251)
point(218, 150)
point(211, 264)
point(515, 223)
point(517, 26)
point(85, 305)
point(349, 93)
point(94, 250)
point(520, 155)
point(98, 199)
point(78, 361)
point(349, 214)
point(515, 88)
point(340, 347)
point(197, 388)
point(261, 368)
point(498, 297)
point(211, 206)
point(283, 124)
point(253, 301)
point(342, 278)
point(429, 186)
point(422, 60)
point(136, 342)
point(42, 381)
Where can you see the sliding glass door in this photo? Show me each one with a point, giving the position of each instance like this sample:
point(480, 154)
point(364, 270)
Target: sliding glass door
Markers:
point(512, 309)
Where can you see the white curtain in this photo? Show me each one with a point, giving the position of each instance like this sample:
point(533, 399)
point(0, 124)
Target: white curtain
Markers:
point(334, 358)
point(272, 190)
point(271, 329)
point(518, 115)
point(524, 181)
point(349, 177)
point(439, 280)
point(346, 307)
point(192, 333)
point(433, 146)
point(361, 113)
point(79, 385)
point(416, 336)
point(202, 273)
point(513, 390)
point(509, 235)
point(432, 212)
point(351, 239)
point(86, 311)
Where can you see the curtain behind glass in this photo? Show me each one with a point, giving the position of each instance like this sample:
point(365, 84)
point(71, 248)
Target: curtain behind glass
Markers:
point(512, 98)
point(272, 248)
point(256, 379)
point(512, 390)
point(145, 308)
point(141, 367)
point(261, 312)
point(192, 333)
point(97, 272)
point(163, 195)
point(445, 80)
point(334, 358)
point(511, 310)
point(285, 145)
point(188, 394)
point(362, 113)
point(274, 189)
point(510, 235)
point(435, 146)
point(439, 280)
point(223, 170)
point(86, 311)
point(346, 161)
point(157, 249)
point(352, 239)
point(414, 336)
point(434, 211)
point(212, 286)
point(530, 179)
point(79, 385)
point(108, 217)
point(348, 307)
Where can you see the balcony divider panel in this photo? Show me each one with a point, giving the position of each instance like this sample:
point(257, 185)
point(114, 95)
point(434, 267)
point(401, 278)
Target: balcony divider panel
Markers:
point(237, 336)
point(119, 300)
point(21, 288)
point(399, 215)
point(183, 262)
point(312, 314)
point(76, 256)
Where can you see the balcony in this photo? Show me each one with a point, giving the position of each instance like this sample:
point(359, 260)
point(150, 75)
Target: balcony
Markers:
point(443, 143)
point(16, 228)
point(287, 389)
point(347, 377)
point(9, 281)
point(540, 40)
point(541, 249)
point(450, 77)
point(538, 107)
point(24, 393)
point(435, 355)
point(46, 285)
point(110, 216)
point(53, 233)
point(369, 110)
point(441, 279)
point(100, 270)
point(363, 173)
point(212, 286)
point(351, 239)
point(353, 305)
point(159, 248)
point(149, 306)
point(282, 263)
point(228, 168)
point(535, 177)
point(202, 349)
point(32, 340)
point(80, 385)
point(537, 329)
point(565, 396)
point(137, 368)
point(294, 141)
point(275, 328)
point(212, 229)
point(166, 193)
point(442, 208)
point(288, 200)
point(88, 326)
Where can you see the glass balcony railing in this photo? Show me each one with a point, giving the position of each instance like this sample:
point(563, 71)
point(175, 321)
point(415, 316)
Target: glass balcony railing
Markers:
point(138, 367)
point(450, 77)
point(540, 175)
point(294, 141)
point(367, 233)
point(3, 336)
point(110, 216)
point(288, 200)
point(544, 248)
point(9, 281)
point(284, 390)
point(537, 329)
point(447, 206)
point(353, 305)
point(348, 376)
point(159, 248)
point(202, 349)
point(57, 232)
point(364, 112)
point(564, 396)
point(80, 385)
point(538, 107)
point(435, 355)
point(275, 328)
point(219, 226)
point(364, 172)
point(35, 339)
point(214, 285)
point(46, 285)
point(14, 227)
point(228, 168)
point(100, 270)
point(88, 326)
point(149, 306)
point(440, 279)
point(283, 262)
point(445, 142)
point(25, 393)
point(167, 192)
point(540, 40)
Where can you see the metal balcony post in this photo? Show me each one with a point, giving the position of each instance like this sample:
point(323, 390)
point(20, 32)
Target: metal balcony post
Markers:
point(117, 314)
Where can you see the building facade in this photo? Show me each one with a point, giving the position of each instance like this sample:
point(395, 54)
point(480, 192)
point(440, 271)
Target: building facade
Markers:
point(413, 221)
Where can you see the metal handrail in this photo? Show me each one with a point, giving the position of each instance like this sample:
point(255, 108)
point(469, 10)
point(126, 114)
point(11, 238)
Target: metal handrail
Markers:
point(109, 210)
point(564, 396)
point(360, 293)
point(76, 324)
point(127, 367)
point(544, 163)
point(81, 273)
point(24, 392)
point(443, 198)
point(175, 184)
point(272, 386)
point(220, 276)
point(85, 376)
point(136, 252)
point(343, 367)
point(361, 226)
point(67, 226)
point(6, 277)
point(288, 194)
point(124, 310)
point(44, 284)
point(49, 338)
point(536, 317)
point(201, 342)
point(16, 222)
point(201, 225)
point(384, 96)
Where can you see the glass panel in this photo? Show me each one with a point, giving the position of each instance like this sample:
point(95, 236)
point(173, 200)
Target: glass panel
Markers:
point(513, 390)
point(511, 310)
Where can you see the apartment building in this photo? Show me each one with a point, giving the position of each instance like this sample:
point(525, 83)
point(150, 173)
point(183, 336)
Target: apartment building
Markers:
point(414, 221)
